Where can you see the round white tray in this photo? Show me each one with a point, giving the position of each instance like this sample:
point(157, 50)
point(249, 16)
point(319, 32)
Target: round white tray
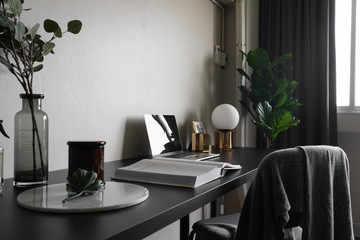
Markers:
point(114, 196)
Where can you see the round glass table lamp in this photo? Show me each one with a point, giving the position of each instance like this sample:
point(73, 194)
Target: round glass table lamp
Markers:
point(225, 118)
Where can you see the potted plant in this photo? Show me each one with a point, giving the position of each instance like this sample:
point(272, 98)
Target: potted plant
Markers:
point(23, 53)
point(271, 94)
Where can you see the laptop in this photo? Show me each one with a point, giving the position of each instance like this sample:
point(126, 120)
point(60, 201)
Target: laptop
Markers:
point(164, 139)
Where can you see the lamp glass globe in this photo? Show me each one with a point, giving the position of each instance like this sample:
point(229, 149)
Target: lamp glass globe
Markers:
point(225, 117)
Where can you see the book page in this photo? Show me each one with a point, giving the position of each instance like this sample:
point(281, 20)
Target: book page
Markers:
point(169, 167)
point(210, 163)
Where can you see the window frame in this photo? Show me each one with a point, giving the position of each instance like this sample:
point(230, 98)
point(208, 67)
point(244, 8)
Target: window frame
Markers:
point(352, 108)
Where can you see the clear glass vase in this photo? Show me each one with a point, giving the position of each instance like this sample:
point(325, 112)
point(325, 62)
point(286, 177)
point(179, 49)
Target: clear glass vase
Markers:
point(31, 143)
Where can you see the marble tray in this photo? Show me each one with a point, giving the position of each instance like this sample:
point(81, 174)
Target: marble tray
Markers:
point(114, 196)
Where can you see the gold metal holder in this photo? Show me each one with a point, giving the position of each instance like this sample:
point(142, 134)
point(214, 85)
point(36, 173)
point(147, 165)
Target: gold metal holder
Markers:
point(223, 139)
point(200, 142)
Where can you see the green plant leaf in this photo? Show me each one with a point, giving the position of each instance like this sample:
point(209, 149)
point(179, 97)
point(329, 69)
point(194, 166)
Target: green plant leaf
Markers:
point(279, 100)
point(39, 58)
point(38, 68)
point(243, 73)
point(47, 48)
point(74, 26)
point(280, 86)
point(7, 24)
point(243, 90)
point(281, 59)
point(292, 105)
point(15, 7)
point(260, 95)
point(34, 30)
point(291, 87)
point(264, 111)
point(262, 78)
point(5, 62)
point(284, 70)
point(258, 59)
point(19, 31)
point(82, 181)
point(58, 33)
point(51, 26)
point(281, 118)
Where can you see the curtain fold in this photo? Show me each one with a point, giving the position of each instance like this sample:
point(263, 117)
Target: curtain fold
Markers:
point(306, 28)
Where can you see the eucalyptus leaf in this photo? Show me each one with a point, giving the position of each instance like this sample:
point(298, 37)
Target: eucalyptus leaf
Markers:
point(15, 6)
point(47, 48)
point(38, 68)
point(34, 30)
point(58, 33)
point(39, 58)
point(74, 26)
point(51, 26)
point(5, 62)
point(19, 31)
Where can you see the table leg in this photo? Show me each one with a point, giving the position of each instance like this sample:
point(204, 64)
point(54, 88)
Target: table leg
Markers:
point(213, 209)
point(184, 227)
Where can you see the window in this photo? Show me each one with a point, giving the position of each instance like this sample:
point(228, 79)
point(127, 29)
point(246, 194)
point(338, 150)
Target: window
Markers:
point(347, 30)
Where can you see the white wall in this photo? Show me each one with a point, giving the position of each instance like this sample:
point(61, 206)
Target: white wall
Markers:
point(131, 58)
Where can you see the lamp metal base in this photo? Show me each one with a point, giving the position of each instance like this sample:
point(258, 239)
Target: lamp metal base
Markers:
point(223, 139)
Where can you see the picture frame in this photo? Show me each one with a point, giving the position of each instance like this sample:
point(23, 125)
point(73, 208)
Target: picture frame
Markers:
point(198, 127)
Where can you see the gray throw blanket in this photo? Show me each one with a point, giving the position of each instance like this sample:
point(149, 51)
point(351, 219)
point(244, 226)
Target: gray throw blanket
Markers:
point(305, 186)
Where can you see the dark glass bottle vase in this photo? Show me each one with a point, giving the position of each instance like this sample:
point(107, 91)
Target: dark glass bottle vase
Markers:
point(31, 143)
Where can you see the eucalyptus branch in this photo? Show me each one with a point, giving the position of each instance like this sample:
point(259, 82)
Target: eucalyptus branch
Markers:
point(23, 47)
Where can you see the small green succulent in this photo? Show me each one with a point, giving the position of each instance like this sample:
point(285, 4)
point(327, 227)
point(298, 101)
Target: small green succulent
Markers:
point(82, 182)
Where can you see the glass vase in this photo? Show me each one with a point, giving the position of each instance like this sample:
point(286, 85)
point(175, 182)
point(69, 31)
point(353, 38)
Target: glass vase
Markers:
point(31, 143)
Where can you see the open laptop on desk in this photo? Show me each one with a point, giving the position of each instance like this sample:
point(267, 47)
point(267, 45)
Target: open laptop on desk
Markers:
point(164, 139)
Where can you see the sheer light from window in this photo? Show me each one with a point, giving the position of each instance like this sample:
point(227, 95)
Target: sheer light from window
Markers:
point(343, 29)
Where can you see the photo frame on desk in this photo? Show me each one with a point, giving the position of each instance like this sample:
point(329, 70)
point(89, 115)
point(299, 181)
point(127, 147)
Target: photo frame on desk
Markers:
point(198, 127)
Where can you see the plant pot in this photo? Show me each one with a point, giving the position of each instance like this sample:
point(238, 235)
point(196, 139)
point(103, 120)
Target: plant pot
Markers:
point(31, 143)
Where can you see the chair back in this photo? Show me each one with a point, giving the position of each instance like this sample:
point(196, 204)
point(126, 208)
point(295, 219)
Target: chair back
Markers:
point(303, 186)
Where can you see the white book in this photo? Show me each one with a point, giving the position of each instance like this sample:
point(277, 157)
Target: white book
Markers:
point(176, 172)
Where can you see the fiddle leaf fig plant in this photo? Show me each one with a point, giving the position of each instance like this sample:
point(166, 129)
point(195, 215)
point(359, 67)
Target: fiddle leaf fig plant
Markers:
point(82, 182)
point(273, 105)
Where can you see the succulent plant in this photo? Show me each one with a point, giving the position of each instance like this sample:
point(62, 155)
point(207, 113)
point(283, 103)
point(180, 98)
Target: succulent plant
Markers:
point(82, 182)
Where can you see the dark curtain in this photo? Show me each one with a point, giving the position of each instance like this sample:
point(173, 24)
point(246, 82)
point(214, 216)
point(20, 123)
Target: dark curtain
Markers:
point(306, 28)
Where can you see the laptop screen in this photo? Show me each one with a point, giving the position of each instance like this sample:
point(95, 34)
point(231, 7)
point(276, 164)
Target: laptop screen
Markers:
point(163, 134)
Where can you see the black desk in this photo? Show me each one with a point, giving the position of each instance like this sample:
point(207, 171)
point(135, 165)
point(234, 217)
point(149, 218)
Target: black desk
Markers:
point(165, 205)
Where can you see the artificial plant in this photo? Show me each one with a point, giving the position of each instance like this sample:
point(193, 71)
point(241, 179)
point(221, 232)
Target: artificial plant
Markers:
point(23, 50)
point(82, 182)
point(271, 93)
